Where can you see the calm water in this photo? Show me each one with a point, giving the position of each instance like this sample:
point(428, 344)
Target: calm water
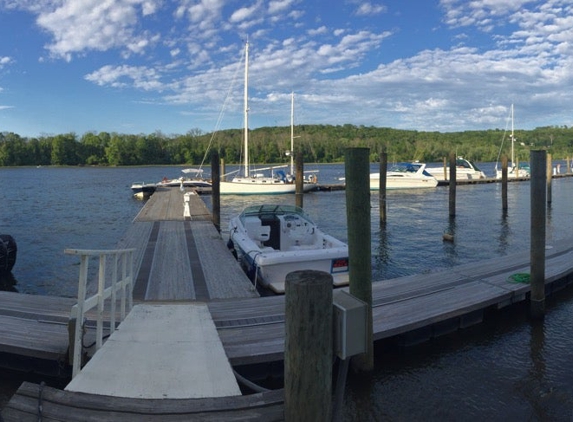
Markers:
point(503, 369)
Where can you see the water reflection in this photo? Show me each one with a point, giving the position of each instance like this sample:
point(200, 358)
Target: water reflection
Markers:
point(449, 242)
point(504, 233)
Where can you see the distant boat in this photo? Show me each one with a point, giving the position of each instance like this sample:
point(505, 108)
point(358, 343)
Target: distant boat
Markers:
point(142, 190)
point(405, 176)
point(274, 240)
point(465, 170)
point(255, 182)
point(514, 170)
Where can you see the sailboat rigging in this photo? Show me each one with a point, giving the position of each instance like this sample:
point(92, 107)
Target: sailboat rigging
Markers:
point(257, 184)
point(514, 170)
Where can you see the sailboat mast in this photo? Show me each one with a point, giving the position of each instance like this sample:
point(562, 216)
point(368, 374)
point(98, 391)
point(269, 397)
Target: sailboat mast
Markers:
point(512, 139)
point(246, 116)
point(292, 133)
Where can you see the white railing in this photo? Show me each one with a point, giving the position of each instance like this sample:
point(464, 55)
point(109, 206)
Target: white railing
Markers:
point(122, 259)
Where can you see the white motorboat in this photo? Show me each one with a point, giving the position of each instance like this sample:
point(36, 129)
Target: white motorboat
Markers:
point(465, 170)
point(274, 240)
point(514, 170)
point(254, 182)
point(405, 176)
point(193, 178)
point(142, 190)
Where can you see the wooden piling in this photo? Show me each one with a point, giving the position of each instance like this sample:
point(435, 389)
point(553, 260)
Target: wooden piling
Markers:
point(445, 168)
point(299, 180)
point(537, 226)
point(308, 346)
point(504, 205)
point(359, 240)
point(222, 170)
point(382, 187)
point(216, 190)
point(549, 178)
point(452, 201)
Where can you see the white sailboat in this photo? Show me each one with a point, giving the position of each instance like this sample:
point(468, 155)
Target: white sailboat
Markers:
point(514, 170)
point(256, 183)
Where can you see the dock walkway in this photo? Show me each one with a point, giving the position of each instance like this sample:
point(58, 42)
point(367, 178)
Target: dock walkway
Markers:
point(251, 329)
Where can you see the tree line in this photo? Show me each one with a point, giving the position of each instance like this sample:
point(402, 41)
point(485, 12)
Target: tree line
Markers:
point(318, 144)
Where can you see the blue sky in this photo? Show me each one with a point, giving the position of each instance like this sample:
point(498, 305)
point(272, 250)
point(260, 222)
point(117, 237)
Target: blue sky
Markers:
point(140, 66)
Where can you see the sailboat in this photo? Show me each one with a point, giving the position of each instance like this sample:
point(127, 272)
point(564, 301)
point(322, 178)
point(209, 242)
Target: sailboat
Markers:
point(514, 170)
point(256, 183)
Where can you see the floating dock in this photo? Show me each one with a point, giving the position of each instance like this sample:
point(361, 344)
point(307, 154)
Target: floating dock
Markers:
point(183, 267)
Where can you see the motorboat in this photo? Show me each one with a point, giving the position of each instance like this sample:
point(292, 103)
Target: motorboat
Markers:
point(465, 170)
point(142, 190)
point(405, 176)
point(255, 182)
point(514, 170)
point(273, 240)
point(193, 178)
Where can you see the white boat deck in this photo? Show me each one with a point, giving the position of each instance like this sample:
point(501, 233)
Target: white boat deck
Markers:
point(161, 352)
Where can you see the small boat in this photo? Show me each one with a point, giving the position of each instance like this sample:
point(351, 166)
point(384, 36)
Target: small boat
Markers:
point(195, 181)
point(274, 240)
point(142, 190)
point(405, 176)
point(465, 170)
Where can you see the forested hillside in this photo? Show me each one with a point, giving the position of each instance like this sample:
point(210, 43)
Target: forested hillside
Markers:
point(319, 144)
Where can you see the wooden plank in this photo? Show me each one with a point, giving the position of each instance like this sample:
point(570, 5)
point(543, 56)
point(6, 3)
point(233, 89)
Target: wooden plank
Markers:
point(71, 406)
point(170, 275)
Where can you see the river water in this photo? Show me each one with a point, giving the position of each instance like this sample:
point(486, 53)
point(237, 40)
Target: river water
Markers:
point(506, 368)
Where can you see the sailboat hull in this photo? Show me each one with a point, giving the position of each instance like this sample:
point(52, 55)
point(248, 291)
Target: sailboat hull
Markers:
point(260, 186)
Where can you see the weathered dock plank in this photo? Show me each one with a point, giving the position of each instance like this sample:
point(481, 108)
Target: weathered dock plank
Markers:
point(36, 402)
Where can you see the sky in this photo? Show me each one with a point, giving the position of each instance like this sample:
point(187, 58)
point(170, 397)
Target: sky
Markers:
point(175, 66)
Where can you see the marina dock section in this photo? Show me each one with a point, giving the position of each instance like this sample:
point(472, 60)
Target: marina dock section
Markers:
point(184, 272)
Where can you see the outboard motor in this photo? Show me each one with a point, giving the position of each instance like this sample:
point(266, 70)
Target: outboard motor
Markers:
point(8, 251)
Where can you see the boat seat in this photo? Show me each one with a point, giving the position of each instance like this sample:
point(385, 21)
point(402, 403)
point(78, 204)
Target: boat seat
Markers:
point(255, 229)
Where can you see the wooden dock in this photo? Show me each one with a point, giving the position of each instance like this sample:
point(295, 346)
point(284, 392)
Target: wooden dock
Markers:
point(251, 329)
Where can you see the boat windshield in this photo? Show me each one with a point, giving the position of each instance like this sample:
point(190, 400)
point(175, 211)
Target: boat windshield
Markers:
point(405, 167)
point(272, 209)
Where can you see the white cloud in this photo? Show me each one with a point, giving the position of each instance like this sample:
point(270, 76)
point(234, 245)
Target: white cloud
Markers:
point(77, 27)
point(119, 76)
point(369, 9)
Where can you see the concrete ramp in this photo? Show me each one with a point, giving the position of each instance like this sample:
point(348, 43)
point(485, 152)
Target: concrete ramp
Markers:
point(161, 351)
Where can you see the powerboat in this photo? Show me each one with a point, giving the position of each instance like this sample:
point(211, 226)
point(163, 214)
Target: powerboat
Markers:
point(192, 179)
point(405, 176)
point(465, 170)
point(142, 190)
point(271, 241)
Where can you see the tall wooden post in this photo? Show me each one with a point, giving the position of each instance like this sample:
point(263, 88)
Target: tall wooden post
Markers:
point(222, 170)
point(359, 240)
point(504, 205)
point(445, 168)
point(215, 190)
point(452, 184)
point(299, 180)
point(382, 201)
point(538, 215)
point(308, 346)
point(549, 178)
